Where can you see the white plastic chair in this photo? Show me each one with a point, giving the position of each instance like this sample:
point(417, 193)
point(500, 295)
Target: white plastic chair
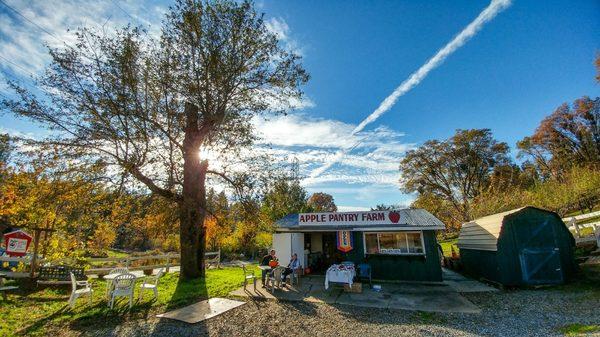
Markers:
point(151, 283)
point(295, 275)
point(118, 271)
point(274, 279)
point(75, 293)
point(122, 286)
point(248, 276)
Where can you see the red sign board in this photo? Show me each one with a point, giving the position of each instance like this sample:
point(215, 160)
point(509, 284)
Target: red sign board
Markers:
point(17, 243)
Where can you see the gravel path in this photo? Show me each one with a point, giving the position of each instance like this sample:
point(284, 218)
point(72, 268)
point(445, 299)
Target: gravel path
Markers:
point(514, 313)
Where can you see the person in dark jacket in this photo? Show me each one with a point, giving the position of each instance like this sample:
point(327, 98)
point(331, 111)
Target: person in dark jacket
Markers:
point(265, 262)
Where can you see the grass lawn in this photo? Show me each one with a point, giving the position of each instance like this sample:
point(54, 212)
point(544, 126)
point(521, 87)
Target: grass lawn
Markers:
point(32, 313)
point(114, 253)
point(446, 246)
point(577, 329)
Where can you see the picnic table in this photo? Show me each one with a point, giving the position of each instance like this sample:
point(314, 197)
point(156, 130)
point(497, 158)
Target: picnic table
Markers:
point(340, 274)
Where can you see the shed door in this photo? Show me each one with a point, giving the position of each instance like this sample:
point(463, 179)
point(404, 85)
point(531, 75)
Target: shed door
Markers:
point(539, 254)
point(541, 266)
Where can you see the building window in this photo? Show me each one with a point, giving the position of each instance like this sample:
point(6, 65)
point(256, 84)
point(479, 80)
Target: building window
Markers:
point(394, 243)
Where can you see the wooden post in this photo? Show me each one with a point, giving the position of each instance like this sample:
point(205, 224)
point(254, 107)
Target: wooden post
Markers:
point(574, 224)
point(167, 263)
point(219, 259)
point(36, 243)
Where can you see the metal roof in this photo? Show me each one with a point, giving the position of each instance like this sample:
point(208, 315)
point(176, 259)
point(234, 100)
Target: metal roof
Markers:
point(416, 219)
point(483, 233)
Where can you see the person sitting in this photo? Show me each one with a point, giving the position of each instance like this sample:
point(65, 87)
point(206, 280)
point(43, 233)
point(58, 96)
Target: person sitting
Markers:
point(265, 262)
point(293, 265)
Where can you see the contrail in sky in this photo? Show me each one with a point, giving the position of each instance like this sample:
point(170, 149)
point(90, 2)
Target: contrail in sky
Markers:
point(495, 7)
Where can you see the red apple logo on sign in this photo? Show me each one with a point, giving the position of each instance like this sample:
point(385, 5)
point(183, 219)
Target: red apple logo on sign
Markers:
point(394, 216)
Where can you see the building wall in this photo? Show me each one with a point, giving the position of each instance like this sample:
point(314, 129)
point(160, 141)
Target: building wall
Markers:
point(480, 263)
point(397, 267)
point(285, 244)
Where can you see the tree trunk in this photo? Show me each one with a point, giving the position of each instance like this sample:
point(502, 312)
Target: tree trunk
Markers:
point(192, 207)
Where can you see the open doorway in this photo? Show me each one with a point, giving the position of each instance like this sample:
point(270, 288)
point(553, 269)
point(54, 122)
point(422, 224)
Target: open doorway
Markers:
point(322, 251)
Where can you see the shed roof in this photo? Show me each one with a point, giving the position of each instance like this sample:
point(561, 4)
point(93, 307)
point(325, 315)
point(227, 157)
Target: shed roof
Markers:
point(417, 219)
point(483, 233)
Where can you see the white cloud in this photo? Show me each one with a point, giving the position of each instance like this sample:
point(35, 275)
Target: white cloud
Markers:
point(22, 42)
point(313, 141)
point(280, 28)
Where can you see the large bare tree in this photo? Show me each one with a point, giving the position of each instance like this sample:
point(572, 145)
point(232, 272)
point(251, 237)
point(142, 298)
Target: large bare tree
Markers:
point(455, 170)
point(155, 110)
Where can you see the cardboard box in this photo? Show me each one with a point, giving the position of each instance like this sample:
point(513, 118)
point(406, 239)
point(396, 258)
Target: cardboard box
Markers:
point(356, 288)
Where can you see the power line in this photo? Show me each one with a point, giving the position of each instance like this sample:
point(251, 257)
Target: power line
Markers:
point(5, 97)
point(16, 65)
point(122, 10)
point(32, 83)
point(45, 31)
point(33, 23)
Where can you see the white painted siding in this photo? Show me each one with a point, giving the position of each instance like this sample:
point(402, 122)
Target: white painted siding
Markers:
point(287, 243)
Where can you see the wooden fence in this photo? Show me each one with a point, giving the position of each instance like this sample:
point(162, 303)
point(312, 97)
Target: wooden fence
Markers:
point(574, 223)
point(102, 266)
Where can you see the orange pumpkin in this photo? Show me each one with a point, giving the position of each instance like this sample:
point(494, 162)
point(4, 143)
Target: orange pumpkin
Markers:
point(273, 263)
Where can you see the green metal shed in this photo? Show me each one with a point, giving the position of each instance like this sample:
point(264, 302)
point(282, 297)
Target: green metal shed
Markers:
point(524, 246)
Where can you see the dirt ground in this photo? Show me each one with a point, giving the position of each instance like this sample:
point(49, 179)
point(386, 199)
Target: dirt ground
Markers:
point(542, 312)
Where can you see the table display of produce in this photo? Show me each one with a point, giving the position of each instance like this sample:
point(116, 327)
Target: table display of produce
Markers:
point(339, 273)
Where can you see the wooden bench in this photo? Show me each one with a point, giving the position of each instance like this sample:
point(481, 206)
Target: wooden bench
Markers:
point(213, 259)
point(55, 275)
point(4, 289)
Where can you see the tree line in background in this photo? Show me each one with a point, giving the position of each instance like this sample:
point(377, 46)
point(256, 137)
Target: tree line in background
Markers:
point(471, 174)
point(90, 215)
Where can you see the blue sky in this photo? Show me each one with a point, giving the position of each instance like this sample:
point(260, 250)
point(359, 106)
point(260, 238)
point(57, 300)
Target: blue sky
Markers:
point(529, 59)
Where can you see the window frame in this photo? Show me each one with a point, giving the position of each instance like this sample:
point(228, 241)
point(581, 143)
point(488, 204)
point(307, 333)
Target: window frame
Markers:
point(393, 254)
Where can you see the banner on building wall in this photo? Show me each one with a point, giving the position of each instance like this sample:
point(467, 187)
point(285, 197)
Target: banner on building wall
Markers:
point(345, 243)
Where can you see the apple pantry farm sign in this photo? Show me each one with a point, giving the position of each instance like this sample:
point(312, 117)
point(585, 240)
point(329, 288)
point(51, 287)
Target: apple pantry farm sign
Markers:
point(349, 218)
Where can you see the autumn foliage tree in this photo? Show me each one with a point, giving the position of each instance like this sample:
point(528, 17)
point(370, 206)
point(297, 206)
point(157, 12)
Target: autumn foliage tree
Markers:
point(570, 136)
point(149, 109)
point(321, 202)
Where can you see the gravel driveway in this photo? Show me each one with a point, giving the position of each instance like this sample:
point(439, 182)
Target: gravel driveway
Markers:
point(513, 313)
